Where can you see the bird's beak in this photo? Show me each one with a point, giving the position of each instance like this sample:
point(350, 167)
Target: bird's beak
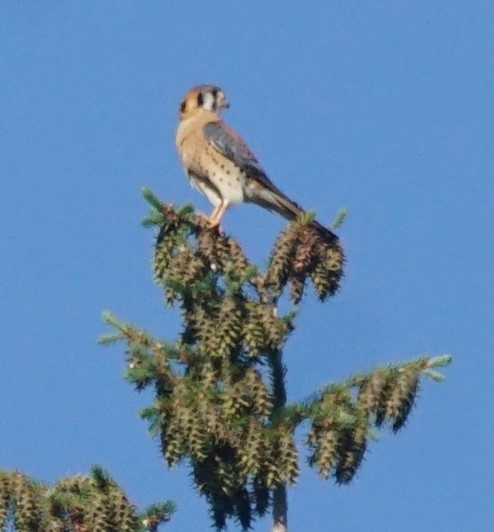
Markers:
point(225, 104)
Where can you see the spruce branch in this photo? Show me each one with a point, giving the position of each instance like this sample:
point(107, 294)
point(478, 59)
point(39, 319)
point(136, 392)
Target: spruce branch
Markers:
point(93, 503)
point(220, 400)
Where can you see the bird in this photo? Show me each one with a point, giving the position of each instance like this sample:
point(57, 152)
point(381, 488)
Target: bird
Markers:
point(220, 165)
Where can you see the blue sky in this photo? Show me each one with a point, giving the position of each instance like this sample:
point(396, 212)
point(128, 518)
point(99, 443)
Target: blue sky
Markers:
point(385, 108)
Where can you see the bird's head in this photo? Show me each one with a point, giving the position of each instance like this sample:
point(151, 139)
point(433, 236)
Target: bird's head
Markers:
point(207, 97)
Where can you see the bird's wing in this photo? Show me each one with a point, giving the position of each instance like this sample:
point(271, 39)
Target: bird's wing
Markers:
point(259, 188)
point(230, 145)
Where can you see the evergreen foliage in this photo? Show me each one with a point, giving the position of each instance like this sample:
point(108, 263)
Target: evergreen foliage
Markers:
point(93, 503)
point(220, 399)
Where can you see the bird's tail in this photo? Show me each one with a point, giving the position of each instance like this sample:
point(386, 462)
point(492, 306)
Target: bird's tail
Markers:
point(326, 233)
point(291, 210)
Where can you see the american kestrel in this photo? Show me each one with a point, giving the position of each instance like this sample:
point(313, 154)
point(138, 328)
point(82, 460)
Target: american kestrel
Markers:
point(219, 164)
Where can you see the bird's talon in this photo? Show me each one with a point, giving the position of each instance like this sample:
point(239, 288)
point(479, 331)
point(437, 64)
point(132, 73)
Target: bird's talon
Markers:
point(215, 226)
point(210, 224)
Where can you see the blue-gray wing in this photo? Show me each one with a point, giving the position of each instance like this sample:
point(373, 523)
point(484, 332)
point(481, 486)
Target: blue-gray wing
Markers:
point(259, 188)
point(230, 145)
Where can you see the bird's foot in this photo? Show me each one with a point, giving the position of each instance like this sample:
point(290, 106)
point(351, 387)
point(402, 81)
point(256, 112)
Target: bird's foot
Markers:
point(210, 223)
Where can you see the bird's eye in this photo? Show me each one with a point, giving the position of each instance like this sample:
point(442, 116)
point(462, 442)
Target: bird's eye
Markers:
point(183, 105)
point(214, 92)
point(200, 99)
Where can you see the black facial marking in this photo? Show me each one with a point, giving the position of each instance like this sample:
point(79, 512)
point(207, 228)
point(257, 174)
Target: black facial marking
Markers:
point(214, 92)
point(200, 99)
point(183, 105)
